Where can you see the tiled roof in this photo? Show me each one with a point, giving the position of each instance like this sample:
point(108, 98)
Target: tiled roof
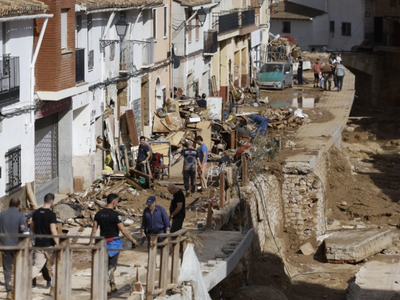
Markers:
point(290, 10)
point(14, 8)
point(102, 4)
point(195, 2)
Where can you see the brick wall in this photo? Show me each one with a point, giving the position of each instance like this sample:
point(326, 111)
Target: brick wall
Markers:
point(55, 69)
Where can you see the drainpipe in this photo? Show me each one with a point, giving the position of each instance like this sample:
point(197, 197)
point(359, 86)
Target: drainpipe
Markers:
point(33, 63)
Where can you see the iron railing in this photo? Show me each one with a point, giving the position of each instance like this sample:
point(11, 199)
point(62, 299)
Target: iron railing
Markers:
point(137, 54)
point(228, 22)
point(91, 60)
point(9, 80)
point(80, 65)
point(13, 162)
point(248, 18)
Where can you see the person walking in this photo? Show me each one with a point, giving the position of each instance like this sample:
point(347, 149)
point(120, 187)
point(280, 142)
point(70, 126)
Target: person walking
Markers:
point(44, 221)
point(143, 157)
point(155, 219)
point(203, 157)
point(177, 211)
point(190, 161)
point(44, 271)
point(317, 70)
point(339, 73)
point(11, 221)
point(327, 75)
point(300, 71)
point(110, 223)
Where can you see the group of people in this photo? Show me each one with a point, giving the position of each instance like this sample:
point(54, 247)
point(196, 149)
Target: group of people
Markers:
point(41, 221)
point(332, 71)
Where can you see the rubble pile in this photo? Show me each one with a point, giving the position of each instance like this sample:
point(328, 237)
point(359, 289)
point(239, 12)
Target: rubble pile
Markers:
point(79, 209)
point(280, 118)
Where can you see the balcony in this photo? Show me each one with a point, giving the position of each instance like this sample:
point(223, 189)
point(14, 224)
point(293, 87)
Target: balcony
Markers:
point(248, 18)
point(229, 22)
point(210, 42)
point(136, 55)
point(80, 65)
point(9, 80)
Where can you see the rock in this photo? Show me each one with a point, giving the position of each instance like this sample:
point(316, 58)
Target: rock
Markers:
point(350, 129)
point(65, 211)
point(307, 249)
point(128, 222)
point(344, 203)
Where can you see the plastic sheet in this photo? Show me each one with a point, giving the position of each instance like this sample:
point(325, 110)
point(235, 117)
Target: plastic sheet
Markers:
point(191, 271)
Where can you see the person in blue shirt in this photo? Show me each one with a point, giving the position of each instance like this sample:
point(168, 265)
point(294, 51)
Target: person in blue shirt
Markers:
point(203, 157)
point(143, 157)
point(155, 219)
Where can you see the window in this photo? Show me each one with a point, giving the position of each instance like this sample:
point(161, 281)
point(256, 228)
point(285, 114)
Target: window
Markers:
point(287, 68)
point(165, 21)
point(332, 26)
point(64, 29)
point(91, 60)
point(155, 24)
point(286, 27)
point(346, 29)
point(393, 3)
point(13, 164)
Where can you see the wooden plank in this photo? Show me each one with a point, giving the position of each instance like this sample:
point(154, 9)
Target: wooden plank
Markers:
point(205, 133)
point(210, 208)
point(221, 190)
point(244, 170)
point(31, 195)
point(130, 120)
point(135, 173)
point(126, 159)
point(110, 135)
point(175, 259)
point(175, 138)
point(164, 271)
point(158, 126)
point(151, 268)
point(233, 139)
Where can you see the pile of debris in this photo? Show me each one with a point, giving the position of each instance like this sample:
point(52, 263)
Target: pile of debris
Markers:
point(280, 118)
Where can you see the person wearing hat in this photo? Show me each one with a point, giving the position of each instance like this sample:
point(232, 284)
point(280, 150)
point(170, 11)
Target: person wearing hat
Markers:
point(110, 223)
point(155, 219)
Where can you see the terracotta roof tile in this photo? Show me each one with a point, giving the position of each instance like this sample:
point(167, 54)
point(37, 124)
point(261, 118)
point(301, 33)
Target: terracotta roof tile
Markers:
point(14, 8)
point(195, 2)
point(290, 10)
point(102, 4)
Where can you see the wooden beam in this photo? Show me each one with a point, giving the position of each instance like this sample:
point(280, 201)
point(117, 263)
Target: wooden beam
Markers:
point(136, 173)
point(221, 190)
point(164, 272)
point(151, 268)
point(31, 195)
point(99, 270)
point(23, 270)
point(210, 208)
point(63, 270)
point(244, 170)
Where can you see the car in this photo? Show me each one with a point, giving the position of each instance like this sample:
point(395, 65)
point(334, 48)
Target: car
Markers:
point(275, 75)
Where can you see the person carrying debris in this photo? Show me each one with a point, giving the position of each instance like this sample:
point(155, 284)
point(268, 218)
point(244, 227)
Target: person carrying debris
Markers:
point(155, 219)
point(44, 221)
point(317, 70)
point(110, 223)
point(177, 211)
point(203, 157)
point(143, 157)
point(11, 221)
point(327, 75)
point(339, 73)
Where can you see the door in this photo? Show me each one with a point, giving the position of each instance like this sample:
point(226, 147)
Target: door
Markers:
point(46, 156)
point(378, 30)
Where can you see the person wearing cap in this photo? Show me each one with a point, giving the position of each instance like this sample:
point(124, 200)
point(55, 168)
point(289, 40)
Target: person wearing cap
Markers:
point(11, 221)
point(155, 219)
point(110, 223)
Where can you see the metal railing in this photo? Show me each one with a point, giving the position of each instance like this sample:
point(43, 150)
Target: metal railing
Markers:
point(23, 265)
point(9, 80)
point(248, 18)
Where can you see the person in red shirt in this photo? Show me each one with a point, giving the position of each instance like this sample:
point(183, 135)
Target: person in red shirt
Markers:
point(317, 70)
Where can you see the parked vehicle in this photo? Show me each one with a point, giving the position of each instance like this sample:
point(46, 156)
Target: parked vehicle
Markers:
point(275, 75)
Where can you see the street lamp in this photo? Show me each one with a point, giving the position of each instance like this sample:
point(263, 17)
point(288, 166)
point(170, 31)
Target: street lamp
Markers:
point(121, 27)
point(260, 2)
point(201, 16)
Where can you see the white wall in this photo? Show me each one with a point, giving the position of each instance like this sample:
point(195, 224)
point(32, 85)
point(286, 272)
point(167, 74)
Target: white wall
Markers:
point(317, 4)
point(300, 30)
point(320, 29)
point(19, 129)
point(351, 11)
